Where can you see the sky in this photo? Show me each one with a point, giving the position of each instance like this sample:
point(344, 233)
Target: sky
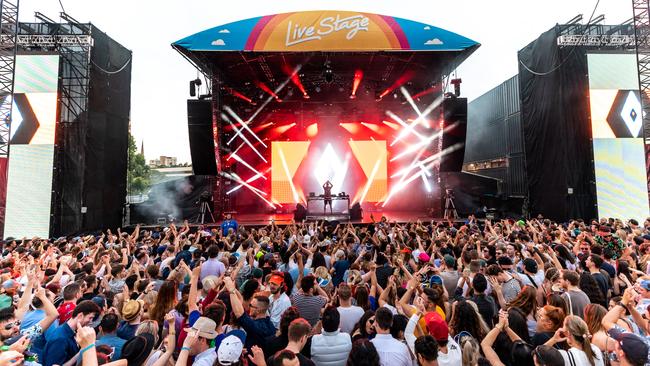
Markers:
point(160, 75)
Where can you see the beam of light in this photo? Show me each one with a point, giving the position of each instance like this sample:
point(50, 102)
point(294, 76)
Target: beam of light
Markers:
point(375, 168)
point(312, 130)
point(399, 82)
point(236, 150)
point(285, 166)
point(430, 162)
point(295, 78)
point(249, 180)
point(427, 91)
point(282, 129)
point(330, 167)
point(239, 159)
point(352, 128)
point(268, 90)
point(236, 178)
point(358, 75)
point(261, 127)
point(392, 125)
point(243, 124)
point(410, 100)
point(239, 95)
point(269, 99)
point(413, 148)
point(407, 128)
point(427, 186)
point(371, 126)
point(244, 138)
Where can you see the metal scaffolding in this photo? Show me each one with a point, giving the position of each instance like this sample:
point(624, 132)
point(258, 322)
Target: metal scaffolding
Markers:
point(8, 48)
point(641, 10)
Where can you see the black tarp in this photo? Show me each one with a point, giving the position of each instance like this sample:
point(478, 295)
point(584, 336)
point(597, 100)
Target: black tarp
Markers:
point(557, 132)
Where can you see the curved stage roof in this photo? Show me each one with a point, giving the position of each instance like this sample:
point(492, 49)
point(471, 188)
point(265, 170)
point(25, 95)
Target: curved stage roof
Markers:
point(325, 31)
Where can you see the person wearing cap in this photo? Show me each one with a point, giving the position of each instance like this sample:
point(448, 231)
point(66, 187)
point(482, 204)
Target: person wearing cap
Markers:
point(61, 345)
point(391, 351)
point(449, 274)
point(230, 351)
point(423, 307)
point(132, 312)
point(257, 324)
point(198, 342)
point(630, 349)
point(279, 301)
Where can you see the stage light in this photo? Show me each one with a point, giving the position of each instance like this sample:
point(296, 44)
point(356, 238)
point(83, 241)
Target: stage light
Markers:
point(330, 167)
point(318, 89)
point(249, 180)
point(329, 75)
point(399, 82)
point(405, 131)
point(371, 178)
point(312, 130)
point(392, 125)
point(268, 90)
point(371, 126)
point(239, 95)
point(236, 178)
point(358, 75)
point(282, 129)
point(295, 77)
point(305, 95)
point(352, 128)
point(427, 186)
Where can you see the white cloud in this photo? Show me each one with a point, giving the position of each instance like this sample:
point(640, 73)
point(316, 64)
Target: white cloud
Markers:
point(434, 41)
point(224, 31)
point(218, 42)
point(427, 28)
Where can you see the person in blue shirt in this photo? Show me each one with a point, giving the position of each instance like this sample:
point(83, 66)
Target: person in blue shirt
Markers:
point(257, 324)
point(107, 336)
point(227, 224)
point(62, 346)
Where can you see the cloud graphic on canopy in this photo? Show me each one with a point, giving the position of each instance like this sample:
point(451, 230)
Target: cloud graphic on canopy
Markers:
point(427, 28)
point(434, 41)
point(218, 42)
point(224, 31)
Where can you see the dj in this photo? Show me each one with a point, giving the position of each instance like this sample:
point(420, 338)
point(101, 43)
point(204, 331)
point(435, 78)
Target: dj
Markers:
point(327, 188)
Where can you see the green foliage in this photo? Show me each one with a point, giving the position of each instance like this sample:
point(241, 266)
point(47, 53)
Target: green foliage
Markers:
point(139, 175)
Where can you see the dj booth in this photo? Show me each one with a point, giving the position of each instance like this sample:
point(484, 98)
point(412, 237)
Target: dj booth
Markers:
point(315, 213)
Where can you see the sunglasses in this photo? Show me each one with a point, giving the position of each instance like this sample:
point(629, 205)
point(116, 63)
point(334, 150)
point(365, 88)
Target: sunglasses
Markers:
point(8, 326)
point(371, 321)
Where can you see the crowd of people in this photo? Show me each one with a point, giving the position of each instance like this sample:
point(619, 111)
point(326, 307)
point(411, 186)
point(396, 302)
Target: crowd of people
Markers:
point(516, 293)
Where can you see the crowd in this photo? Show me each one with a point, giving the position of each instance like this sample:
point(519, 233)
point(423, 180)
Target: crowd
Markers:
point(516, 293)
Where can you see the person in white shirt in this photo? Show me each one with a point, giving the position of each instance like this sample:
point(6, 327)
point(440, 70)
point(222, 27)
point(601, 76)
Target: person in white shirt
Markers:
point(278, 301)
point(391, 351)
point(350, 314)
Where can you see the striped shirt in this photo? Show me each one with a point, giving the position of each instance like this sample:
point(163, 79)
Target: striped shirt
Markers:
point(308, 306)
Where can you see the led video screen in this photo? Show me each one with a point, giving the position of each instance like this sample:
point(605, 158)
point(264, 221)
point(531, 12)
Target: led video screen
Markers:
point(31, 149)
point(617, 128)
point(358, 168)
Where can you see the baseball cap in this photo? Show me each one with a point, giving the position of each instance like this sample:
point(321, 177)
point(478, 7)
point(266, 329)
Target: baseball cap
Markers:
point(205, 327)
point(645, 284)
point(449, 260)
point(230, 350)
point(277, 278)
point(436, 326)
point(435, 280)
point(424, 257)
point(634, 347)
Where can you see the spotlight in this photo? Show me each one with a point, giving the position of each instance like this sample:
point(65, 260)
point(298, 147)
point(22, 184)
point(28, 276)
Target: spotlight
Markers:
point(377, 95)
point(305, 95)
point(317, 89)
point(456, 84)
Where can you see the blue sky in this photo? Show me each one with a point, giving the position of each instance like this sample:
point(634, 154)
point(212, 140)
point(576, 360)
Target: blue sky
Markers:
point(160, 75)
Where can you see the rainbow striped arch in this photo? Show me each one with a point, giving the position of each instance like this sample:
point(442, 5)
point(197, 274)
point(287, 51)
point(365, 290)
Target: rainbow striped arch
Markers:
point(327, 30)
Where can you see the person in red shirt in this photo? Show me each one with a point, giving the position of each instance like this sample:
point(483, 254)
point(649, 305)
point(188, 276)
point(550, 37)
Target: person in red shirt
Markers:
point(71, 294)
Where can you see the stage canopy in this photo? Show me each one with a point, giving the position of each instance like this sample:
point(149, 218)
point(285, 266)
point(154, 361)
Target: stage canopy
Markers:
point(373, 38)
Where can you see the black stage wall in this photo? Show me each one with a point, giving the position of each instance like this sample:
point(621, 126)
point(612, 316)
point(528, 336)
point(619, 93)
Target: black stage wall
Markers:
point(92, 151)
point(557, 132)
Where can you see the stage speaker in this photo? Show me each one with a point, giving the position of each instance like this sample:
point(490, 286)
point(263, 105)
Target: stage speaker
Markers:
point(199, 124)
point(356, 212)
point(454, 114)
point(300, 213)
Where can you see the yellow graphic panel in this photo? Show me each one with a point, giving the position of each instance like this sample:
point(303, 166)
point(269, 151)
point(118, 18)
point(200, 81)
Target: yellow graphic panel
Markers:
point(286, 157)
point(601, 101)
point(372, 157)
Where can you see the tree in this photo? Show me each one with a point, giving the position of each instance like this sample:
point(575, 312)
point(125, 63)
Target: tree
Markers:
point(139, 175)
